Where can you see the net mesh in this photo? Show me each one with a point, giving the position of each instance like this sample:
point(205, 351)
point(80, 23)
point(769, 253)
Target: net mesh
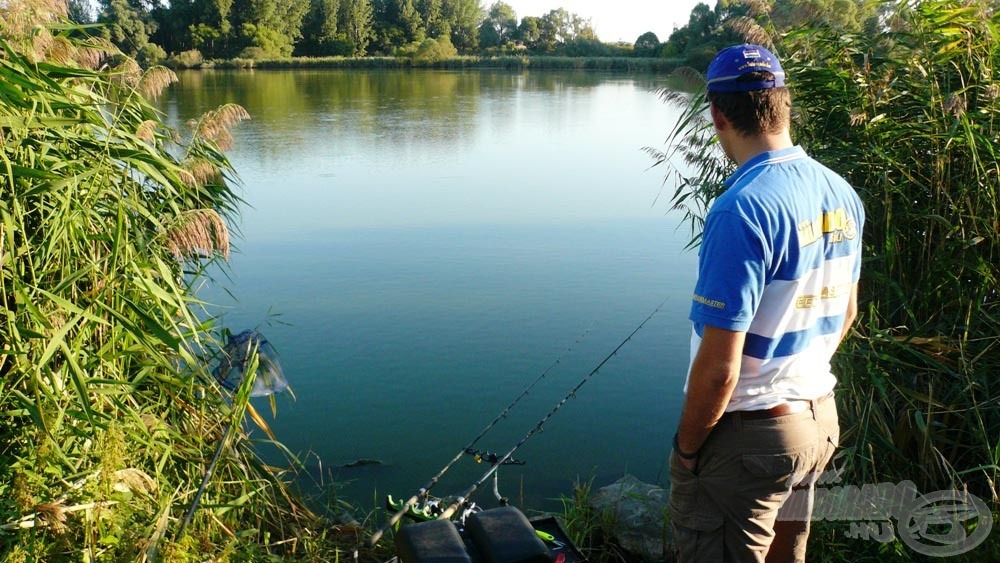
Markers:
point(236, 359)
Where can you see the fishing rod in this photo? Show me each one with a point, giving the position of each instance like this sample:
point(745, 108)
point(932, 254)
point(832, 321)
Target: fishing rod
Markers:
point(462, 498)
point(468, 450)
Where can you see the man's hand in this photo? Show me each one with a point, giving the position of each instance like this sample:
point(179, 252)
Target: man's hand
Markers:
point(690, 464)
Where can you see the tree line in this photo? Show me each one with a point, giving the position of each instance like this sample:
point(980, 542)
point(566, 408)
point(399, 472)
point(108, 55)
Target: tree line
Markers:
point(259, 29)
point(149, 29)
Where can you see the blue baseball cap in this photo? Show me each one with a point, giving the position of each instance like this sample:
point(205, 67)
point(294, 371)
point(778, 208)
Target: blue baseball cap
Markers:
point(725, 74)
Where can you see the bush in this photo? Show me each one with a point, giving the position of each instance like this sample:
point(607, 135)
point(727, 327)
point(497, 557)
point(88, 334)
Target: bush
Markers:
point(151, 54)
point(433, 50)
point(241, 63)
point(186, 59)
point(254, 54)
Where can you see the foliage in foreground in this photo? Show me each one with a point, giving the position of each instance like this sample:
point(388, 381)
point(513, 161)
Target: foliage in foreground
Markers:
point(108, 413)
point(590, 530)
point(910, 116)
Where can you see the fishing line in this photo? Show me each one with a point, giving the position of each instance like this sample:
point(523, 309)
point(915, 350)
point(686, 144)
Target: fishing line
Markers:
point(469, 448)
point(468, 492)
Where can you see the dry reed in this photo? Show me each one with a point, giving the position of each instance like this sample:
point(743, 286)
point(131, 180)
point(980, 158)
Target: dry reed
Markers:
point(155, 80)
point(147, 130)
point(750, 31)
point(199, 172)
point(214, 125)
point(198, 233)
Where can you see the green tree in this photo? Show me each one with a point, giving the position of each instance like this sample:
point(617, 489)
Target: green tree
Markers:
point(709, 30)
point(320, 28)
point(555, 28)
point(430, 12)
point(269, 27)
point(433, 50)
point(529, 32)
point(357, 20)
point(410, 21)
point(128, 24)
point(80, 11)
point(647, 44)
point(488, 36)
point(583, 30)
point(205, 38)
point(559, 29)
point(463, 18)
point(201, 24)
point(502, 20)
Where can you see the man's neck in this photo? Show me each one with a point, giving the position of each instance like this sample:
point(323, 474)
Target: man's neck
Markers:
point(746, 148)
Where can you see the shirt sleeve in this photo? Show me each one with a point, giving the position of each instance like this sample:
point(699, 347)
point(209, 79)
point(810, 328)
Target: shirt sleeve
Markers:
point(731, 273)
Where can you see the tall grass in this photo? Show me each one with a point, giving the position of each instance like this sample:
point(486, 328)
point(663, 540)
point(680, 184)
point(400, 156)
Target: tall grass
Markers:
point(911, 118)
point(910, 115)
point(108, 413)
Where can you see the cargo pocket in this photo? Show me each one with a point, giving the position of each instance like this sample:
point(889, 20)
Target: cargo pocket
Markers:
point(694, 520)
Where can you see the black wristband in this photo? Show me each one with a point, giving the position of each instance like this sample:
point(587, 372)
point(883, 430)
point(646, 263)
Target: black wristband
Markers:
point(680, 452)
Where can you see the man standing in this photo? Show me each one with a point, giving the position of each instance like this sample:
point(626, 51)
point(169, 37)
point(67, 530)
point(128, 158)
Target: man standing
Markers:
point(776, 293)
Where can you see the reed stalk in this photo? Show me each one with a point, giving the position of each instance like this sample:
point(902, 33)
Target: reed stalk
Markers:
point(108, 411)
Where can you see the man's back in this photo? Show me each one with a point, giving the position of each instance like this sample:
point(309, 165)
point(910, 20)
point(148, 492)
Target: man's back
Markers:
point(787, 229)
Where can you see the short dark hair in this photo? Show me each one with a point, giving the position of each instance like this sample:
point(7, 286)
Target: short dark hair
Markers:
point(756, 112)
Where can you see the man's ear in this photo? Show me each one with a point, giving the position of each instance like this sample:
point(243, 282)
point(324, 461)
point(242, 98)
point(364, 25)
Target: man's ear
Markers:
point(718, 118)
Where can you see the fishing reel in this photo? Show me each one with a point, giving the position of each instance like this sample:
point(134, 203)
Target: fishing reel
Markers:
point(495, 460)
point(492, 458)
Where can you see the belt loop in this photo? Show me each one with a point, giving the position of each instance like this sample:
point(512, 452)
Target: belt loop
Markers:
point(737, 422)
point(812, 407)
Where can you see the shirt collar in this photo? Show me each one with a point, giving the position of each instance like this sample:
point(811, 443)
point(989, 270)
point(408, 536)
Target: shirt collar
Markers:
point(764, 159)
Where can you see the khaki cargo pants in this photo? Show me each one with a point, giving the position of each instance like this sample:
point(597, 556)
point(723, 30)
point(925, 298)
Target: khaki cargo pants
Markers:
point(747, 469)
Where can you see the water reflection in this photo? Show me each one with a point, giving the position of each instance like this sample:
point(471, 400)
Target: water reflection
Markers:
point(432, 241)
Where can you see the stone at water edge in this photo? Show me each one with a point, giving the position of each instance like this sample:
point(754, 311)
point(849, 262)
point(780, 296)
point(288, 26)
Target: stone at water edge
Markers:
point(638, 511)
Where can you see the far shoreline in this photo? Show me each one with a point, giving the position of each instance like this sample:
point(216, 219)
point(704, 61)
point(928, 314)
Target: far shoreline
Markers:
point(651, 65)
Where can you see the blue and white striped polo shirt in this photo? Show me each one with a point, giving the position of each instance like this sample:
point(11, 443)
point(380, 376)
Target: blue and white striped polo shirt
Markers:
point(781, 249)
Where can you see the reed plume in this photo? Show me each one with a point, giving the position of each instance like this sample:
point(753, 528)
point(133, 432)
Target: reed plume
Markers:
point(155, 80)
point(128, 74)
point(690, 78)
point(214, 125)
point(198, 233)
point(23, 21)
point(200, 172)
point(146, 130)
point(750, 31)
point(756, 7)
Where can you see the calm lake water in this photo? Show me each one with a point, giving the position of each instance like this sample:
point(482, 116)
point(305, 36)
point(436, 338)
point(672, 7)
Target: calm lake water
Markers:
point(420, 246)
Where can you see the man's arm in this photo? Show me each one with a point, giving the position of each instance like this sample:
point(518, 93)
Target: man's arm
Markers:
point(852, 312)
point(714, 373)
